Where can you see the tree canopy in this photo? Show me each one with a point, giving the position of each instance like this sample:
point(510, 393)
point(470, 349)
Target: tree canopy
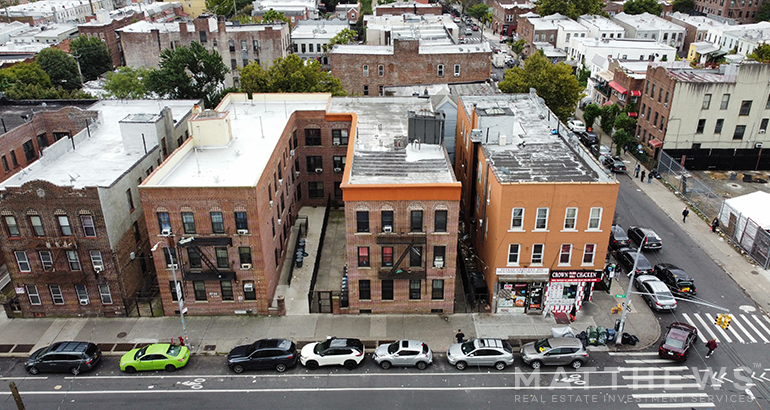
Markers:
point(763, 14)
point(620, 139)
point(189, 73)
point(642, 6)
point(127, 83)
point(290, 75)
point(590, 114)
point(27, 81)
point(272, 16)
point(685, 6)
point(608, 115)
point(345, 36)
point(95, 58)
point(60, 67)
point(225, 7)
point(570, 8)
point(554, 83)
point(761, 53)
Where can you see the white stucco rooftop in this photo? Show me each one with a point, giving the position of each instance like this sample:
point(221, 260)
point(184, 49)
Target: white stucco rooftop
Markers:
point(700, 22)
point(317, 29)
point(601, 23)
point(647, 21)
point(430, 48)
point(632, 44)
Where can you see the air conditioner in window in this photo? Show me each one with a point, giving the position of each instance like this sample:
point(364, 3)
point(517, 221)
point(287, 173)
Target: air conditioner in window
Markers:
point(319, 170)
point(762, 131)
point(280, 182)
point(245, 266)
point(665, 105)
point(172, 266)
point(337, 170)
point(271, 204)
point(243, 231)
point(98, 269)
point(758, 145)
point(291, 152)
point(279, 221)
point(336, 143)
point(387, 228)
point(165, 232)
point(83, 301)
point(248, 287)
point(439, 263)
point(457, 74)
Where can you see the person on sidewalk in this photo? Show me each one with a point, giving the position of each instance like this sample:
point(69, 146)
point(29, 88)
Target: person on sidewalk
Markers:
point(643, 175)
point(685, 213)
point(649, 178)
point(714, 225)
point(712, 345)
point(460, 336)
point(636, 170)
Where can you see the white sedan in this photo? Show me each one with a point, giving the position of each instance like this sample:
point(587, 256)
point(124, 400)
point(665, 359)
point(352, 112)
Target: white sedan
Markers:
point(332, 352)
point(576, 125)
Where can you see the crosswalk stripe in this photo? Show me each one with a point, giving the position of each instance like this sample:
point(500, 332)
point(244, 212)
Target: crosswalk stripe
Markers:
point(721, 332)
point(633, 353)
point(658, 376)
point(759, 322)
point(700, 333)
point(647, 361)
point(737, 336)
point(654, 369)
point(674, 405)
point(667, 395)
point(751, 325)
point(708, 329)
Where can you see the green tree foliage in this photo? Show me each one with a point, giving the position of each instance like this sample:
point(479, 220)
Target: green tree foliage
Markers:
point(189, 73)
point(554, 83)
point(272, 16)
point(60, 67)
point(37, 92)
point(582, 75)
point(590, 114)
point(608, 115)
point(518, 46)
point(642, 6)
point(225, 7)
point(620, 139)
point(625, 123)
point(570, 8)
point(24, 73)
point(763, 14)
point(761, 53)
point(95, 58)
point(290, 75)
point(127, 83)
point(478, 11)
point(346, 36)
point(685, 6)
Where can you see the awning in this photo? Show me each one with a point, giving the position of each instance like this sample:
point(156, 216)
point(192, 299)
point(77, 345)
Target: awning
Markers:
point(655, 143)
point(617, 87)
point(632, 114)
point(605, 75)
point(607, 103)
point(636, 93)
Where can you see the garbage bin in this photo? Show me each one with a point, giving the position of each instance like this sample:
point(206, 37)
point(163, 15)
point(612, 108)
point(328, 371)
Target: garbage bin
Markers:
point(299, 261)
point(592, 335)
point(611, 335)
point(601, 338)
point(617, 325)
point(733, 176)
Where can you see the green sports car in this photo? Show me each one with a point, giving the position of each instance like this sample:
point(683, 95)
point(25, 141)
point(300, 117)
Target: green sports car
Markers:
point(159, 356)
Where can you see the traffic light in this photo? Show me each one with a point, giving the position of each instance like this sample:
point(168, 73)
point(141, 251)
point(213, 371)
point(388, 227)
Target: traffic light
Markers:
point(726, 321)
point(720, 319)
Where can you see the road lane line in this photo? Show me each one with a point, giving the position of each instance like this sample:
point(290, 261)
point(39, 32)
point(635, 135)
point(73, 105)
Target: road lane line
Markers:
point(658, 376)
point(648, 361)
point(759, 322)
point(712, 335)
point(674, 405)
point(668, 395)
point(751, 325)
point(700, 334)
point(634, 353)
point(659, 369)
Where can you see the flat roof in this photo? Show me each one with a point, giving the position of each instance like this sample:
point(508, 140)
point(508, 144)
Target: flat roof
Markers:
point(631, 43)
point(435, 48)
point(102, 158)
point(600, 22)
point(647, 21)
point(376, 158)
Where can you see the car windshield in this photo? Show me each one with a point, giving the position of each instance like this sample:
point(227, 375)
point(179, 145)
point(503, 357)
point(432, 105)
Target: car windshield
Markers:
point(174, 350)
point(393, 348)
point(675, 343)
point(685, 284)
point(542, 345)
point(424, 348)
point(140, 353)
point(468, 347)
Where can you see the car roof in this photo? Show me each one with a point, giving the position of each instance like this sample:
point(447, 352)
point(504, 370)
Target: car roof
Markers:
point(647, 278)
point(658, 287)
point(334, 342)
point(683, 327)
point(70, 347)
point(489, 343)
point(273, 344)
point(410, 344)
point(564, 342)
point(157, 348)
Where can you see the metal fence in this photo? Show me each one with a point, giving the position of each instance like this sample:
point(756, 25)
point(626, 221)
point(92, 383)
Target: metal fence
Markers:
point(746, 233)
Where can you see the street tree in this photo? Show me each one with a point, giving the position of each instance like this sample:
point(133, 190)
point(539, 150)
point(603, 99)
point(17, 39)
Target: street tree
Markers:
point(642, 6)
point(590, 113)
point(290, 75)
point(761, 53)
point(345, 36)
point(481, 13)
point(625, 123)
point(272, 16)
point(608, 115)
point(685, 6)
point(127, 83)
point(554, 83)
point(570, 8)
point(189, 73)
point(226, 7)
point(621, 138)
point(60, 67)
point(518, 46)
point(94, 56)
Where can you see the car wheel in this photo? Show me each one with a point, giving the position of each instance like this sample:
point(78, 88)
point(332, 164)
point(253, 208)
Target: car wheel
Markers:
point(649, 303)
point(500, 365)
point(130, 369)
point(461, 365)
point(536, 364)
point(576, 364)
point(350, 364)
point(33, 370)
point(74, 370)
point(280, 367)
point(312, 365)
point(422, 365)
point(385, 365)
point(238, 368)
point(170, 368)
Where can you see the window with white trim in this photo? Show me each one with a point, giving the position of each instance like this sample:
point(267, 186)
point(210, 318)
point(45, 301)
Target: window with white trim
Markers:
point(56, 295)
point(565, 254)
point(366, 71)
point(537, 254)
point(46, 259)
point(89, 230)
point(541, 220)
point(513, 254)
point(73, 260)
point(589, 252)
point(23, 261)
point(105, 294)
point(457, 70)
point(96, 260)
point(82, 294)
point(517, 219)
point(381, 70)
point(570, 219)
point(595, 219)
point(34, 295)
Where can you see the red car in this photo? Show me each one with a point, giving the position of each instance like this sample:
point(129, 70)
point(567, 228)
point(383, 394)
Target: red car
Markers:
point(475, 28)
point(677, 342)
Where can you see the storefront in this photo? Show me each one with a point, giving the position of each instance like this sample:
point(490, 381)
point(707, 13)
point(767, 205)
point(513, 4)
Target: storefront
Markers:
point(569, 289)
point(520, 290)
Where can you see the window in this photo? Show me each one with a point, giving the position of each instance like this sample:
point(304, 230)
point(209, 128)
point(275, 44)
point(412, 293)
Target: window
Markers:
point(387, 289)
point(241, 222)
point(222, 260)
point(362, 221)
point(12, 226)
point(541, 221)
point(718, 126)
point(517, 219)
point(255, 43)
point(233, 63)
point(34, 296)
point(387, 219)
point(249, 292)
point(570, 219)
point(312, 136)
point(227, 289)
point(652, 94)
point(665, 100)
point(188, 222)
point(655, 121)
point(164, 222)
point(513, 254)
point(440, 70)
point(745, 107)
point(231, 43)
point(739, 130)
point(73, 260)
point(200, 290)
point(763, 125)
point(340, 137)
point(172, 289)
point(457, 70)
point(96, 260)
point(89, 230)
point(437, 290)
point(387, 256)
point(194, 258)
point(314, 162)
point(366, 90)
point(363, 256)
point(381, 70)
point(701, 126)
point(29, 150)
point(439, 256)
point(725, 101)
point(105, 295)
point(217, 222)
point(130, 199)
point(13, 159)
point(594, 219)
point(364, 290)
point(588, 254)
point(416, 221)
point(244, 254)
point(366, 71)
point(415, 257)
point(415, 289)
point(315, 189)
point(56, 295)
point(202, 36)
point(82, 294)
point(767, 107)
point(46, 259)
point(706, 102)
point(537, 254)
point(565, 254)
point(440, 221)
point(21, 259)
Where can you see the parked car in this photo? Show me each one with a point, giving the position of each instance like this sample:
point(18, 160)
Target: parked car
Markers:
point(468, 31)
point(64, 357)
point(480, 352)
point(615, 164)
point(332, 352)
point(676, 344)
point(411, 353)
point(278, 354)
point(475, 28)
point(583, 102)
point(463, 40)
point(652, 242)
point(588, 138)
point(576, 125)
point(159, 356)
point(655, 293)
point(600, 150)
point(676, 279)
point(554, 351)
point(618, 237)
point(626, 258)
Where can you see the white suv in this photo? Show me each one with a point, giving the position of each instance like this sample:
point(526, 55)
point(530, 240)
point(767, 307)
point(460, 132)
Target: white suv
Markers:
point(332, 352)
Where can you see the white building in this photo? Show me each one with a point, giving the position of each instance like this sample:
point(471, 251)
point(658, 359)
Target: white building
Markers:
point(592, 52)
point(295, 10)
point(309, 37)
point(564, 27)
point(58, 11)
point(745, 38)
point(700, 25)
point(429, 29)
point(647, 26)
point(8, 30)
point(601, 27)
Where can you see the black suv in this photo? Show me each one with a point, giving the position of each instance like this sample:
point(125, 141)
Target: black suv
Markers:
point(587, 138)
point(63, 357)
point(278, 354)
point(615, 164)
point(618, 237)
point(676, 279)
point(652, 242)
point(626, 258)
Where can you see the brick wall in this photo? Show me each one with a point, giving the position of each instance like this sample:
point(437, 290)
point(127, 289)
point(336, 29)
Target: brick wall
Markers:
point(410, 8)
point(107, 33)
point(649, 104)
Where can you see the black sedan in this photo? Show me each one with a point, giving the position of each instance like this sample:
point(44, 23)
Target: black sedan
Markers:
point(278, 354)
point(615, 164)
point(626, 258)
point(677, 280)
point(652, 242)
point(618, 237)
point(588, 138)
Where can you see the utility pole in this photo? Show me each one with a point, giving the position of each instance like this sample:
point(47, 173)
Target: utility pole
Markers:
point(16, 396)
point(627, 305)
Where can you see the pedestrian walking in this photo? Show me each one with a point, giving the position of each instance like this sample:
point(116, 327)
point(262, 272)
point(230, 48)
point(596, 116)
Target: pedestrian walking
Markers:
point(636, 170)
point(643, 175)
point(625, 149)
point(714, 225)
point(649, 178)
point(712, 345)
point(685, 214)
point(460, 336)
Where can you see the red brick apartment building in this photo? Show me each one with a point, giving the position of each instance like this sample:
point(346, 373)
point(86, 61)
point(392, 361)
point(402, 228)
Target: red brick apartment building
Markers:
point(106, 29)
point(541, 232)
point(73, 228)
point(505, 15)
point(416, 8)
point(366, 70)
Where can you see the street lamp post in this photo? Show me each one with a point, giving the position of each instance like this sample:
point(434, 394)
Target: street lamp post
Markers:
point(628, 294)
point(177, 286)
